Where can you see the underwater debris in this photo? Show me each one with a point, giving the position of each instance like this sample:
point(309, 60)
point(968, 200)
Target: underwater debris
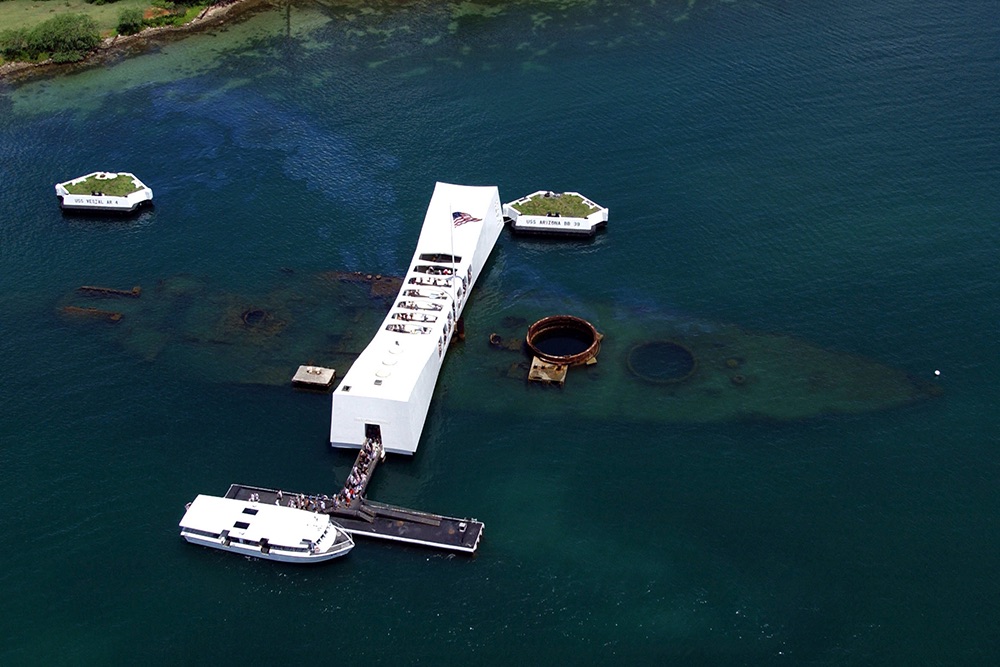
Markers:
point(665, 368)
point(91, 290)
point(254, 317)
point(95, 313)
point(661, 362)
point(559, 342)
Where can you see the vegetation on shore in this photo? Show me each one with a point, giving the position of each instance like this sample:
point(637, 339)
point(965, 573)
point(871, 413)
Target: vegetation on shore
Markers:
point(64, 38)
point(565, 205)
point(74, 28)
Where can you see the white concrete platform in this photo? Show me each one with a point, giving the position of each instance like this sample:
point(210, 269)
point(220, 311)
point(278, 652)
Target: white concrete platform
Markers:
point(97, 200)
point(315, 377)
point(556, 225)
point(387, 391)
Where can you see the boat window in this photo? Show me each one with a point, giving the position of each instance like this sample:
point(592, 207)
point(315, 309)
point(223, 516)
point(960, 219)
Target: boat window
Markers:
point(243, 525)
point(249, 510)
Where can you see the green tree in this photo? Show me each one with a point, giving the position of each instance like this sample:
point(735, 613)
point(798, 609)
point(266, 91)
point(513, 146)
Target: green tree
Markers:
point(130, 21)
point(65, 33)
point(66, 36)
point(14, 43)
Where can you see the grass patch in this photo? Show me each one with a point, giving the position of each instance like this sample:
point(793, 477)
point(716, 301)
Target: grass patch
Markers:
point(26, 14)
point(192, 13)
point(570, 206)
point(119, 186)
point(17, 14)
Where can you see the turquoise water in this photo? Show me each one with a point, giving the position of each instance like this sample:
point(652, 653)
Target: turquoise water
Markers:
point(827, 173)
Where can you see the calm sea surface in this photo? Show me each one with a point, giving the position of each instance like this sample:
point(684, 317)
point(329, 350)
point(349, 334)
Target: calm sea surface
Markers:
point(823, 171)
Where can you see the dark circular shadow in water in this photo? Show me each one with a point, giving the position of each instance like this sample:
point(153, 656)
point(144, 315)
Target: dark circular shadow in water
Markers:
point(661, 361)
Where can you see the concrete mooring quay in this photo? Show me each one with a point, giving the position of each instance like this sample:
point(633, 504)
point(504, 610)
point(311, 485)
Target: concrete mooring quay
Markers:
point(381, 521)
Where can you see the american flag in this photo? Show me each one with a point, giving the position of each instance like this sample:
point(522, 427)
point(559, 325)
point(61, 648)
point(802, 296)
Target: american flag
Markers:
point(462, 218)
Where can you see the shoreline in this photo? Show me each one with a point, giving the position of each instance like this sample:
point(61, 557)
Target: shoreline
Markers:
point(118, 46)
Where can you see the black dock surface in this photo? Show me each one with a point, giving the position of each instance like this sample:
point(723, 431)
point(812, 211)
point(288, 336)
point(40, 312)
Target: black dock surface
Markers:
point(385, 522)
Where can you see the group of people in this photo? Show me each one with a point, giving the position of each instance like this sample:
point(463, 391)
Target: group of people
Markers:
point(430, 282)
point(353, 487)
point(300, 501)
point(413, 305)
point(415, 317)
point(361, 472)
point(435, 270)
point(407, 329)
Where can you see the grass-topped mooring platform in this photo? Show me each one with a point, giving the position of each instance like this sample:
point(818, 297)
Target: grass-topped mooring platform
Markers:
point(567, 204)
point(112, 185)
point(562, 213)
point(104, 191)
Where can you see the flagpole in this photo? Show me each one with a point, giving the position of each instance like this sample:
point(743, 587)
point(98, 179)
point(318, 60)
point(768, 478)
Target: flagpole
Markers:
point(454, 274)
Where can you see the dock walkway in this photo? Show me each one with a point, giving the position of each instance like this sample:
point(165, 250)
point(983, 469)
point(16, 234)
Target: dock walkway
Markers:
point(379, 520)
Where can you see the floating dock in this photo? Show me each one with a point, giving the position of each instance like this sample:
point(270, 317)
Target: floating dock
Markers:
point(375, 520)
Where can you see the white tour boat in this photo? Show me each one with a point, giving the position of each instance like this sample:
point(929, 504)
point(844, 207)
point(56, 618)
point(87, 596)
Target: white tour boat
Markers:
point(387, 391)
point(266, 531)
